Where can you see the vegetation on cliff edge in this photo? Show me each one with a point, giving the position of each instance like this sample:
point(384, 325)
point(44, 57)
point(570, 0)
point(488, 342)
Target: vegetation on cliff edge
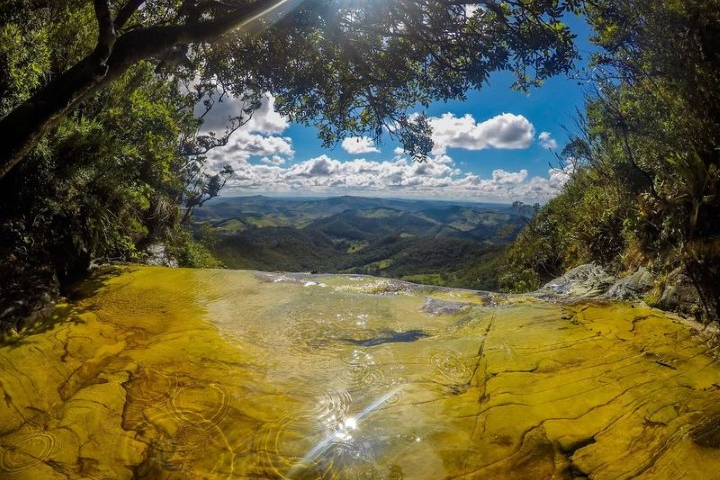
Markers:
point(645, 191)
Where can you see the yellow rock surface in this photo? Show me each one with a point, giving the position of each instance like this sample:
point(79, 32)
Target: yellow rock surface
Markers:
point(179, 374)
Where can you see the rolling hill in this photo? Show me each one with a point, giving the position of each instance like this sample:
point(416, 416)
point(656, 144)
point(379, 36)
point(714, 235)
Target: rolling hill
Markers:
point(454, 244)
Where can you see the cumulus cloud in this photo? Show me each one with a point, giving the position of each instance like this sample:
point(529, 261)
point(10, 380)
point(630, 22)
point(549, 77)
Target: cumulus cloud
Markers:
point(356, 145)
point(265, 120)
point(547, 141)
point(438, 177)
point(258, 137)
point(558, 177)
point(322, 166)
point(261, 158)
point(244, 145)
point(502, 177)
point(505, 131)
point(274, 160)
point(247, 144)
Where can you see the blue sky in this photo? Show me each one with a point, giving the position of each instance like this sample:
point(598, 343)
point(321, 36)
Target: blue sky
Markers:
point(497, 146)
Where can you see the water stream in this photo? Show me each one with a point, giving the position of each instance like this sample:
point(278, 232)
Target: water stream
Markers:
point(202, 374)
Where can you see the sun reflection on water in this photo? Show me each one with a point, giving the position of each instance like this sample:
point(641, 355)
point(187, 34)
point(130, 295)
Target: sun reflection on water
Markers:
point(343, 444)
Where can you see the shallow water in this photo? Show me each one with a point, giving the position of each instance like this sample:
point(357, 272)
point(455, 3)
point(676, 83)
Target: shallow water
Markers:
point(200, 374)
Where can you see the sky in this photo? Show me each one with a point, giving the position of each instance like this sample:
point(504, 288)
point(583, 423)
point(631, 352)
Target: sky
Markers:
point(497, 146)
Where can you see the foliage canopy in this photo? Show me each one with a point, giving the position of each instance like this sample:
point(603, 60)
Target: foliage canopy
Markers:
point(647, 187)
point(351, 66)
point(98, 104)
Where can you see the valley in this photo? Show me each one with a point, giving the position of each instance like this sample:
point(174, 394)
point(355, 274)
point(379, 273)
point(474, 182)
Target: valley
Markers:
point(432, 242)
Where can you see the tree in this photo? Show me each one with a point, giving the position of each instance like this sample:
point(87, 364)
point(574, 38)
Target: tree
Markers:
point(524, 210)
point(660, 104)
point(646, 188)
point(351, 66)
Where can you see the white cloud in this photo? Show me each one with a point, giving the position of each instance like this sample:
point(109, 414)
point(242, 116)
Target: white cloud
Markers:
point(258, 137)
point(470, 9)
point(356, 145)
point(438, 177)
point(248, 144)
point(547, 141)
point(502, 177)
point(265, 120)
point(505, 131)
point(558, 177)
point(322, 166)
point(244, 145)
point(274, 160)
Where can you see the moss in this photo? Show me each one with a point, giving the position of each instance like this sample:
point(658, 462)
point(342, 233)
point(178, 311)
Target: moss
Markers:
point(190, 252)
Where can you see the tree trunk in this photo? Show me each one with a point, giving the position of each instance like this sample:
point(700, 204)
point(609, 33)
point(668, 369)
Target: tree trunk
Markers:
point(23, 127)
point(28, 123)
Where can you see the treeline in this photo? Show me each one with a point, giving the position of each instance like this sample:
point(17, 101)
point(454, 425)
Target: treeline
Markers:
point(436, 260)
point(109, 180)
point(424, 258)
point(441, 243)
point(645, 188)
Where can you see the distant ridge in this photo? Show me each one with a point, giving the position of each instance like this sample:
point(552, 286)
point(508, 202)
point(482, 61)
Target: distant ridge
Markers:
point(431, 241)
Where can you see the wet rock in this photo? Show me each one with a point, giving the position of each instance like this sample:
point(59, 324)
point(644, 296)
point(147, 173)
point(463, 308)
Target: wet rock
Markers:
point(158, 255)
point(707, 433)
point(632, 287)
point(679, 295)
point(588, 280)
point(278, 277)
point(358, 283)
point(205, 374)
point(434, 306)
point(393, 286)
point(491, 299)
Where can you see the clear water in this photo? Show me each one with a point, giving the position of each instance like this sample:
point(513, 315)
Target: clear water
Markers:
point(201, 374)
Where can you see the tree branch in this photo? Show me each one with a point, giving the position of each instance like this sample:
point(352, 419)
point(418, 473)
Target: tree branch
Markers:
point(126, 13)
point(106, 30)
point(249, 16)
point(27, 123)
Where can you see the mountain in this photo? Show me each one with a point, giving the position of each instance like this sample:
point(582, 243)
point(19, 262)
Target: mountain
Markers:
point(445, 243)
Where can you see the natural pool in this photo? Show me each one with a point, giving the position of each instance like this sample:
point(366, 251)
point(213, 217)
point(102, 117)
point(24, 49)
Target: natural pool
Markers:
point(205, 374)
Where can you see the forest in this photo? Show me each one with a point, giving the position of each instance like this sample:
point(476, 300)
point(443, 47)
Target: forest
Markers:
point(645, 188)
point(101, 108)
point(432, 242)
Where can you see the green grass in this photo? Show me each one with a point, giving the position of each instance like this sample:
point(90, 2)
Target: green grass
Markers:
point(427, 279)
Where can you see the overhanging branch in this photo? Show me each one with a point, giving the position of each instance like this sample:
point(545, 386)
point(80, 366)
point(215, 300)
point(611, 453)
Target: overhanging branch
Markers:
point(126, 13)
point(106, 30)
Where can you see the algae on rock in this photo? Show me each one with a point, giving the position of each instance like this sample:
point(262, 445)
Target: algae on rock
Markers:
point(208, 374)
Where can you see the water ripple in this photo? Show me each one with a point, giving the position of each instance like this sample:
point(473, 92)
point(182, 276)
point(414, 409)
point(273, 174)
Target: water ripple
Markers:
point(27, 451)
point(203, 406)
point(449, 364)
point(334, 405)
point(362, 370)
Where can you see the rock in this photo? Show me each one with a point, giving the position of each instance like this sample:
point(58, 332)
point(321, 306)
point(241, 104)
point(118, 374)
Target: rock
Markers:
point(679, 294)
point(588, 280)
point(213, 374)
point(434, 306)
point(633, 286)
point(707, 432)
point(159, 256)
